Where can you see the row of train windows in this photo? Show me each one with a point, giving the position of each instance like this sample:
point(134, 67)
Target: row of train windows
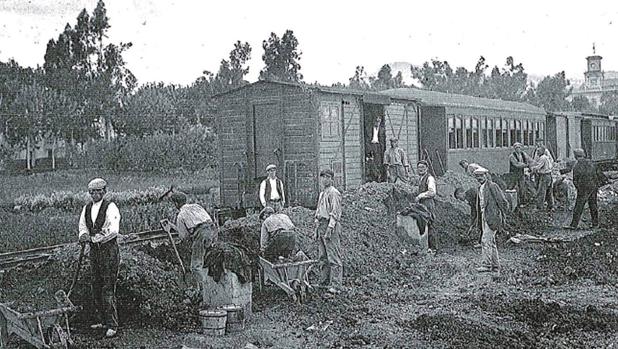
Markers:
point(486, 132)
point(604, 133)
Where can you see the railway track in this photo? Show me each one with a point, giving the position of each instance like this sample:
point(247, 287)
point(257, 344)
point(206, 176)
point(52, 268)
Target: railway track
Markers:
point(15, 258)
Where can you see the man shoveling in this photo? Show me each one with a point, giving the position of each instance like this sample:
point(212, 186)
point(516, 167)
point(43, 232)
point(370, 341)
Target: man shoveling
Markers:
point(193, 222)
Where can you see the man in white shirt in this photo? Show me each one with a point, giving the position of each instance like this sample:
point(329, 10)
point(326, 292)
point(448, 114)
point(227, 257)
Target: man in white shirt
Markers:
point(193, 223)
point(271, 190)
point(99, 224)
point(396, 162)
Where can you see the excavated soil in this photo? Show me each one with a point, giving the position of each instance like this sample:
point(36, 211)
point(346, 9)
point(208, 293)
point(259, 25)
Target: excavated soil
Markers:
point(392, 299)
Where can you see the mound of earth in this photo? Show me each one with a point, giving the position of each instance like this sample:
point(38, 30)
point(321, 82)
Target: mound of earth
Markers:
point(593, 257)
point(147, 288)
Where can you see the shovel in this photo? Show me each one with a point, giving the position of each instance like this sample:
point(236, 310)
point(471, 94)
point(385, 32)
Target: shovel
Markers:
point(63, 297)
point(166, 225)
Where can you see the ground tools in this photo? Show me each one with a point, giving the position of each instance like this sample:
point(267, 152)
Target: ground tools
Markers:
point(167, 226)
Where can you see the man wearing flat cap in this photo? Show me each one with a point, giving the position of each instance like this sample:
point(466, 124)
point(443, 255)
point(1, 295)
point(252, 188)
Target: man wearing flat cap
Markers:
point(271, 190)
point(586, 179)
point(328, 234)
point(396, 162)
point(99, 225)
point(193, 223)
point(491, 210)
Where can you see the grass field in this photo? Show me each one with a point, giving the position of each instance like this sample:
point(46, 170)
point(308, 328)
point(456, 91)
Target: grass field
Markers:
point(23, 229)
point(76, 181)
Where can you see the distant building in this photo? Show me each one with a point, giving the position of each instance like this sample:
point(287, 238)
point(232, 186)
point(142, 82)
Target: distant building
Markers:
point(596, 81)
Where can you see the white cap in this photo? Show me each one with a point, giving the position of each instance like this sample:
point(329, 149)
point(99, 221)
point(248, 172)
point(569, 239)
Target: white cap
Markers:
point(481, 171)
point(97, 183)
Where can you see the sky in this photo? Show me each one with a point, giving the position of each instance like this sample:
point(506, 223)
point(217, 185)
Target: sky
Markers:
point(175, 41)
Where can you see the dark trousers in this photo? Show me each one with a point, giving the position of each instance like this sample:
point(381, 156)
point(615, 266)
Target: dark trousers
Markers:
point(282, 243)
point(584, 195)
point(544, 191)
point(104, 260)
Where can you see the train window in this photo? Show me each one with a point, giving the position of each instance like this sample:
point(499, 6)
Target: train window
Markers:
point(513, 132)
point(498, 133)
point(490, 132)
point(468, 123)
point(530, 132)
point(484, 132)
point(475, 133)
point(518, 126)
point(595, 133)
point(526, 130)
point(451, 132)
point(505, 133)
point(459, 132)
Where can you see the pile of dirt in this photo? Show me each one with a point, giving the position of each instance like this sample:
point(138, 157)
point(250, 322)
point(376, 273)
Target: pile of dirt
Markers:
point(369, 238)
point(593, 257)
point(147, 289)
point(544, 317)
point(457, 332)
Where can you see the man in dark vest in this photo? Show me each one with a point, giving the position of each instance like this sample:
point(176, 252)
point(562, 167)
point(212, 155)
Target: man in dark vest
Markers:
point(518, 161)
point(99, 225)
point(271, 190)
point(427, 191)
point(586, 179)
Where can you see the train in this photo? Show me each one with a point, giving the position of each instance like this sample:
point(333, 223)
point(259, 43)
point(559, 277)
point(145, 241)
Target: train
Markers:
point(304, 128)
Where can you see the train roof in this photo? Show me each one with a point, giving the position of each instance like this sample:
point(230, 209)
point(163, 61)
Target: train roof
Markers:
point(586, 115)
point(456, 100)
point(366, 94)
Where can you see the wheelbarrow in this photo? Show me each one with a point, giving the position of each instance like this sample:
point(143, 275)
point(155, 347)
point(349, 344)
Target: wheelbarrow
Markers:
point(290, 277)
point(47, 329)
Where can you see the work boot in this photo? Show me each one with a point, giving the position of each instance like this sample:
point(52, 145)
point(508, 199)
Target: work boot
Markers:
point(483, 269)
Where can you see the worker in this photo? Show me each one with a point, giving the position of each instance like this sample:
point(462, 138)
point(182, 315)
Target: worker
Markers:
point(518, 161)
point(375, 151)
point(586, 179)
point(492, 207)
point(541, 149)
point(542, 168)
point(427, 192)
point(468, 167)
point(277, 237)
point(469, 197)
point(396, 163)
point(194, 223)
point(271, 190)
point(328, 234)
point(99, 224)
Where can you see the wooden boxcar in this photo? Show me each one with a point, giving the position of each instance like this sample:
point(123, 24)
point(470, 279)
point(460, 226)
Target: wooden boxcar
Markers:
point(564, 133)
point(480, 130)
point(303, 129)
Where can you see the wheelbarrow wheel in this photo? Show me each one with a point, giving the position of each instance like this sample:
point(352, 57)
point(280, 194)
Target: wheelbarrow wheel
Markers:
point(58, 338)
point(4, 331)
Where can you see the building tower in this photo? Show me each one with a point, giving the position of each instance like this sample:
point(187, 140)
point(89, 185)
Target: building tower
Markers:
point(594, 74)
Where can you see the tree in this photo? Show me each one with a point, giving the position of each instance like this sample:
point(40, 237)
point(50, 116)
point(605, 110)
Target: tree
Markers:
point(150, 110)
point(609, 103)
point(552, 92)
point(232, 73)
point(434, 76)
point(509, 83)
point(91, 72)
point(281, 58)
point(581, 103)
point(360, 80)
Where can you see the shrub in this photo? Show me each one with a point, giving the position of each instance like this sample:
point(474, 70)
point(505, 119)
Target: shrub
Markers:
point(194, 149)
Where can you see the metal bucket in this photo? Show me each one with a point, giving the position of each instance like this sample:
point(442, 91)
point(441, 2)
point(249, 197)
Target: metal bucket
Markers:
point(213, 322)
point(235, 318)
point(511, 196)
